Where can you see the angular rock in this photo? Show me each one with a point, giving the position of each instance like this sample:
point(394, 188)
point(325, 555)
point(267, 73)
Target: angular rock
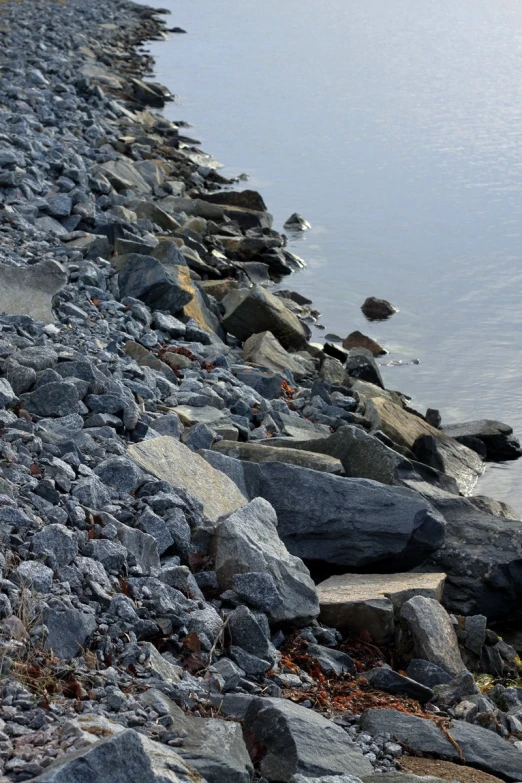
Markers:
point(361, 365)
point(29, 289)
point(123, 175)
point(301, 741)
point(255, 452)
point(356, 602)
point(248, 541)
point(331, 661)
point(427, 673)
point(67, 629)
point(384, 679)
point(405, 429)
point(496, 436)
point(433, 633)
point(56, 543)
point(120, 473)
point(359, 340)
point(52, 399)
point(125, 757)
point(169, 460)
point(264, 349)
point(147, 359)
point(254, 310)
point(161, 287)
point(215, 748)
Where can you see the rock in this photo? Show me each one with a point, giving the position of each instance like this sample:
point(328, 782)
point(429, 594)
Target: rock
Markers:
point(148, 210)
point(348, 522)
point(215, 748)
point(330, 661)
point(361, 365)
point(497, 437)
point(123, 175)
point(451, 693)
point(147, 359)
point(255, 452)
point(190, 415)
point(405, 429)
point(247, 541)
point(258, 589)
point(57, 544)
point(52, 399)
point(362, 455)
point(122, 758)
point(159, 666)
point(160, 287)
point(67, 629)
point(427, 673)
point(384, 679)
point(329, 779)
point(480, 747)
point(264, 349)
point(169, 460)
point(301, 741)
point(377, 309)
point(120, 473)
point(298, 428)
point(246, 199)
point(254, 310)
point(35, 576)
point(7, 395)
point(356, 602)
point(296, 222)
point(495, 507)
point(359, 340)
point(246, 632)
point(480, 557)
point(30, 289)
point(432, 632)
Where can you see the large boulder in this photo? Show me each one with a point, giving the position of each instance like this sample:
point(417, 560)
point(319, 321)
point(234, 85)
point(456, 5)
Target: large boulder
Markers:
point(480, 555)
point(123, 175)
point(301, 741)
point(257, 452)
point(407, 430)
point(342, 521)
point(161, 287)
point(248, 542)
point(432, 633)
point(496, 436)
point(480, 747)
point(360, 364)
point(357, 602)
point(29, 290)
point(169, 460)
point(264, 349)
point(124, 757)
point(253, 310)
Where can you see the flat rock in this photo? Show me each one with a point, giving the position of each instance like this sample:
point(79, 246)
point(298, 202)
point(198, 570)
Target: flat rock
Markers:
point(169, 460)
point(255, 452)
point(356, 602)
point(264, 349)
point(254, 310)
point(387, 680)
point(405, 429)
point(248, 542)
point(123, 175)
point(300, 741)
point(29, 290)
point(433, 633)
point(359, 340)
point(206, 414)
point(497, 437)
point(126, 756)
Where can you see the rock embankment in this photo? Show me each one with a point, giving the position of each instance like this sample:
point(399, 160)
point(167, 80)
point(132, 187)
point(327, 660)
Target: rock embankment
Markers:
point(227, 554)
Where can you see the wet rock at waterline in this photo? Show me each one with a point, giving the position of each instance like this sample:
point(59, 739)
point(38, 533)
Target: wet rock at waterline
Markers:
point(377, 309)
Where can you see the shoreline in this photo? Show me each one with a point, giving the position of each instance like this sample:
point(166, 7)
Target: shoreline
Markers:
point(177, 458)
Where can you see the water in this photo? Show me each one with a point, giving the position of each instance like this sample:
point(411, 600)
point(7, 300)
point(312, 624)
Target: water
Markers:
point(395, 128)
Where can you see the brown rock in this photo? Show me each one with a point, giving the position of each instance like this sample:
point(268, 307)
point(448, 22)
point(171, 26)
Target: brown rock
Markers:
point(360, 340)
point(377, 309)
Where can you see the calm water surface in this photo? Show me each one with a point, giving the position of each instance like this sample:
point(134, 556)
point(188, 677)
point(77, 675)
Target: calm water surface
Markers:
point(395, 128)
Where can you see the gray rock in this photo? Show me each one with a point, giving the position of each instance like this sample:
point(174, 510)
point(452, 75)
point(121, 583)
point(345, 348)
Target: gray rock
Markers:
point(120, 473)
point(254, 310)
point(256, 452)
point(496, 436)
point(53, 399)
point(427, 673)
point(301, 741)
point(458, 689)
point(251, 664)
point(475, 628)
point(385, 679)
point(160, 287)
point(248, 633)
point(111, 554)
point(169, 460)
point(215, 748)
point(264, 349)
point(329, 779)
point(67, 629)
point(7, 395)
point(330, 661)
point(122, 758)
point(141, 546)
point(91, 492)
point(35, 576)
point(123, 175)
point(433, 634)
point(57, 544)
point(257, 589)
point(169, 424)
point(248, 541)
point(30, 289)
point(361, 365)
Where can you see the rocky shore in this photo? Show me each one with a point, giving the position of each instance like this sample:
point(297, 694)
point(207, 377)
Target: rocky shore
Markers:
point(228, 554)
